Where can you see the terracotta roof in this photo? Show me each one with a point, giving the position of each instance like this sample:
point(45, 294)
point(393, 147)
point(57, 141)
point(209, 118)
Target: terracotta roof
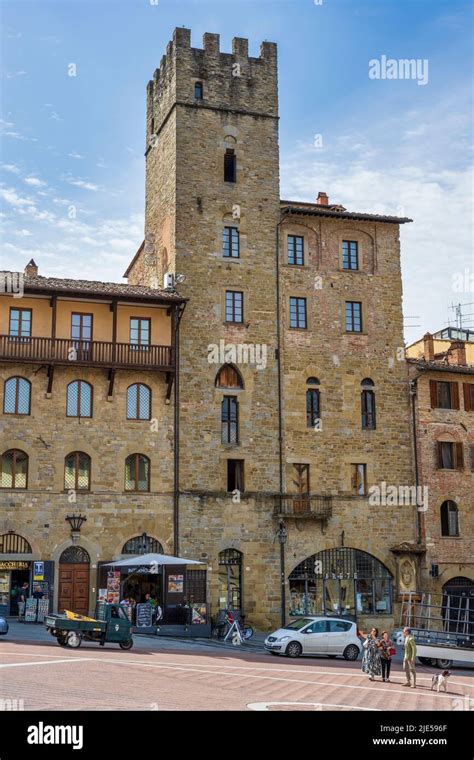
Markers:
point(316, 209)
point(52, 285)
point(421, 364)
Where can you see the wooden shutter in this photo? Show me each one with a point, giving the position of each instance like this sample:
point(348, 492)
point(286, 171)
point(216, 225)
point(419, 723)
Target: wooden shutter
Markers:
point(472, 456)
point(467, 396)
point(434, 393)
point(458, 456)
point(454, 396)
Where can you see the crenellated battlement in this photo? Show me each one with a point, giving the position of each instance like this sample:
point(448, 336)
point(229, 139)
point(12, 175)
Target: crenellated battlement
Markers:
point(231, 81)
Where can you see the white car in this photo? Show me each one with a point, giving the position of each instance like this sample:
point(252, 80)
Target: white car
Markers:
point(316, 635)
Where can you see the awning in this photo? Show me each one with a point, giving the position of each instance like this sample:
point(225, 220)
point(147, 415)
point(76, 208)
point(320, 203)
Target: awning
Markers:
point(143, 560)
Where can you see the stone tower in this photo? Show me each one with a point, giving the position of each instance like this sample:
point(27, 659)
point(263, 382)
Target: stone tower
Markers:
point(207, 110)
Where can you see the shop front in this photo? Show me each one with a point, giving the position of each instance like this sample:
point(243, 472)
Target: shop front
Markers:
point(343, 581)
point(19, 572)
point(163, 595)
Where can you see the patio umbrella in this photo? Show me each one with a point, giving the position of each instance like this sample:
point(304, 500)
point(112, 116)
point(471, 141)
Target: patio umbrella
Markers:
point(152, 559)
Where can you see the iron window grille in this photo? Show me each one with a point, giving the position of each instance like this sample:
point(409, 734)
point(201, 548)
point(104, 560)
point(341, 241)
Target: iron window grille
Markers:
point(17, 396)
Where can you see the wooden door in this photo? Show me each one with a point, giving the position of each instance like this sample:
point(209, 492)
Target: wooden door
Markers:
point(74, 588)
point(301, 481)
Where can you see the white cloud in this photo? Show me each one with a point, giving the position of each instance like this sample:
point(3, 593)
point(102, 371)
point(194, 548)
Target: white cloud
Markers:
point(14, 74)
point(35, 182)
point(11, 168)
point(82, 184)
point(75, 154)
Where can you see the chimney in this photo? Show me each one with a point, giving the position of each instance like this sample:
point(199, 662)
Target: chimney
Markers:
point(322, 199)
point(31, 269)
point(457, 353)
point(428, 347)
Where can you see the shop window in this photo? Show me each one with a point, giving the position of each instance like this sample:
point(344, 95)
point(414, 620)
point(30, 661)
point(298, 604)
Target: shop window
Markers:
point(340, 582)
point(79, 399)
point(17, 396)
point(230, 420)
point(137, 473)
point(14, 469)
point(313, 403)
point(143, 544)
point(449, 518)
point(450, 455)
point(367, 399)
point(138, 402)
point(77, 471)
point(230, 579)
point(235, 475)
point(229, 377)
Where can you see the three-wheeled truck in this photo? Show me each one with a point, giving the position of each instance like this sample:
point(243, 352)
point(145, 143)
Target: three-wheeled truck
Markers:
point(110, 624)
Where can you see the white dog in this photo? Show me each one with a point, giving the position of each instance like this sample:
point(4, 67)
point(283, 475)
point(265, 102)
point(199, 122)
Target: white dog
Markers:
point(440, 681)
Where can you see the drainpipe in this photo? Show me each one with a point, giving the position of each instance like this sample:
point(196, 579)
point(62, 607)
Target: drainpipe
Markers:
point(413, 395)
point(282, 534)
point(177, 314)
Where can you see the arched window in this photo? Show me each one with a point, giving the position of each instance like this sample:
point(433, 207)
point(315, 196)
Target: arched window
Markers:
point(12, 543)
point(77, 471)
point(79, 399)
point(74, 555)
point(198, 90)
point(449, 518)
point(138, 402)
point(230, 420)
point(340, 581)
point(14, 469)
point(313, 403)
point(142, 545)
point(229, 377)
point(230, 578)
point(137, 473)
point(17, 396)
point(367, 400)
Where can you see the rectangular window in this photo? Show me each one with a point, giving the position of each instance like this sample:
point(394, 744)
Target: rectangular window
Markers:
point(140, 330)
point(234, 306)
point(20, 325)
point(450, 455)
point(444, 395)
point(235, 475)
point(298, 313)
point(81, 333)
point(353, 316)
point(359, 479)
point(230, 420)
point(313, 410)
point(229, 165)
point(230, 243)
point(295, 250)
point(368, 410)
point(350, 255)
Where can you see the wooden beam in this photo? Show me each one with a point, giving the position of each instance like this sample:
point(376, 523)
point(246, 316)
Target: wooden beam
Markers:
point(50, 376)
point(53, 303)
point(111, 378)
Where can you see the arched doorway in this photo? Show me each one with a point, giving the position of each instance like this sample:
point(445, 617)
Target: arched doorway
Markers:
point(458, 605)
point(74, 570)
point(15, 570)
point(341, 581)
point(230, 579)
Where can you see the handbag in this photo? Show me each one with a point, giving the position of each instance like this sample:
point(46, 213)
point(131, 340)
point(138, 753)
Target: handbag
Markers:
point(392, 651)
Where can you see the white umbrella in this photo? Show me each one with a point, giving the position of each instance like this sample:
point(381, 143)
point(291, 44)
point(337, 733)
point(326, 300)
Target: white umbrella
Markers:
point(152, 559)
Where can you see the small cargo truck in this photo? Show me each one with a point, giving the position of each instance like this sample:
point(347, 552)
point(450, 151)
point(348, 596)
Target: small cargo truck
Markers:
point(110, 624)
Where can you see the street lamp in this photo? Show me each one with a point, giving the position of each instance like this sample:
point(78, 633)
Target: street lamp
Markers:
point(76, 522)
point(282, 538)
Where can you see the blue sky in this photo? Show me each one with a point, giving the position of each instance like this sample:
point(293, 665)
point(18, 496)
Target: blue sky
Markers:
point(389, 146)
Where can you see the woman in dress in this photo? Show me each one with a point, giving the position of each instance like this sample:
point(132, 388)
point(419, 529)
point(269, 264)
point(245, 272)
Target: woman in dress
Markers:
point(371, 660)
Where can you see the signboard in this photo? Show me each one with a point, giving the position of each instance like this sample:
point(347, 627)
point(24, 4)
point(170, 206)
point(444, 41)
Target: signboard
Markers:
point(43, 606)
point(144, 615)
point(30, 610)
point(14, 565)
point(38, 571)
point(113, 586)
point(175, 584)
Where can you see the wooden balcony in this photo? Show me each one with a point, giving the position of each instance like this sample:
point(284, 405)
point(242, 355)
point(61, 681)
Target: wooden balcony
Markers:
point(304, 506)
point(57, 351)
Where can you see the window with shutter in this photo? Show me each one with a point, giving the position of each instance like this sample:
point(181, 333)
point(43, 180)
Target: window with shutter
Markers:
point(454, 395)
point(468, 393)
point(459, 454)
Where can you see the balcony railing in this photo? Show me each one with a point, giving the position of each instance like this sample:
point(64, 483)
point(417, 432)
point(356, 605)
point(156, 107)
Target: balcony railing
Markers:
point(305, 506)
point(90, 353)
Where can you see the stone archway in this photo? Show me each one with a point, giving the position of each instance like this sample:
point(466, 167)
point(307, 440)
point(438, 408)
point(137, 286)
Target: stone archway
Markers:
point(74, 578)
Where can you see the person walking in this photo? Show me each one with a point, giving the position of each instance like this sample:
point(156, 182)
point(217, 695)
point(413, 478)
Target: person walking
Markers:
point(409, 659)
point(387, 651)
point(371, 659)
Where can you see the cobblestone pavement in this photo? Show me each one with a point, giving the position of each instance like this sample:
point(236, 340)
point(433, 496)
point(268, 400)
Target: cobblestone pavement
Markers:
point(161, 674)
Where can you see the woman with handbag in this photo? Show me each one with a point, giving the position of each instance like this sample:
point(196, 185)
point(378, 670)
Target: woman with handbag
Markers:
point(371, 659)
point(387, 651)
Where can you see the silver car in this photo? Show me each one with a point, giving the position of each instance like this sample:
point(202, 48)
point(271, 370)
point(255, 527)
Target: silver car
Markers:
point(316, 635)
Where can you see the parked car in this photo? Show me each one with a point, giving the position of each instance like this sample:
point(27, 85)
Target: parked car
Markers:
point(3, 626)
point(316, 635)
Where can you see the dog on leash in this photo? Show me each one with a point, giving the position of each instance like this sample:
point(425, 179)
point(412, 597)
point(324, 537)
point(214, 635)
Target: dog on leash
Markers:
point(440, 681)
